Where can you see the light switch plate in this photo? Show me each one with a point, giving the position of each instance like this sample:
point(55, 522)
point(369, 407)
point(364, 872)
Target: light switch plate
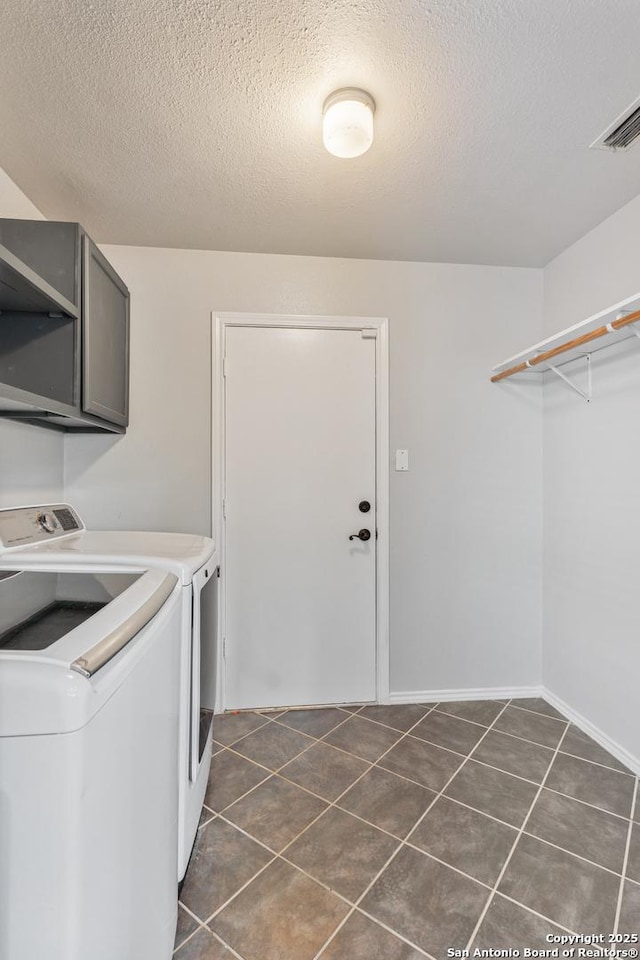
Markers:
point(402, 459)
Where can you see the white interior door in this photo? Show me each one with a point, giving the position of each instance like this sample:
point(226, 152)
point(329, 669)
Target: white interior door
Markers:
point(300, 449)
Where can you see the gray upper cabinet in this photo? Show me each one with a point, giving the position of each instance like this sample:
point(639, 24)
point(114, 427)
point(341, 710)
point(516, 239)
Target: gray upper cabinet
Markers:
point(64, 329)
point(105, 328)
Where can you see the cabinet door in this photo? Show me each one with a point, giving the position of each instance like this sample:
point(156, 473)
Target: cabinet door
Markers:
point(105, 338)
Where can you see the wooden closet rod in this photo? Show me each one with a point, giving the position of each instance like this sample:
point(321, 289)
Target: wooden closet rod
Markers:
point(569, 345)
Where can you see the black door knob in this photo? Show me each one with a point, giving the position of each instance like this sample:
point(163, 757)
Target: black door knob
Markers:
point(361, 535)
point(364, 506)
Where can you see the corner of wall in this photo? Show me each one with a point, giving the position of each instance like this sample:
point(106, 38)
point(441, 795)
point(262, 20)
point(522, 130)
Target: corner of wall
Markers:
point(32, 464)
point(590, 655)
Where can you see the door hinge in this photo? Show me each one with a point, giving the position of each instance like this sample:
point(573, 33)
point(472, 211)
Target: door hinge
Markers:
point(224, 509)
point(224, 366)
point(369, 333)
point(224, 648)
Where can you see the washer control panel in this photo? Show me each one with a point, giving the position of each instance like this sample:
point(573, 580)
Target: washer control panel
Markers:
point(28, 526)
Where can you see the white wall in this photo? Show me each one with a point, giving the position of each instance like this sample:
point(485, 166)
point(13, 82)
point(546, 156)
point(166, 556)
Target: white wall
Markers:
point(591, 644)
point(30, 457)
point(465, 521)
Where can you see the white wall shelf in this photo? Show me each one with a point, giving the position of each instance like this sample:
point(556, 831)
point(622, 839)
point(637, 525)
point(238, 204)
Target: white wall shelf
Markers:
point(617, 323)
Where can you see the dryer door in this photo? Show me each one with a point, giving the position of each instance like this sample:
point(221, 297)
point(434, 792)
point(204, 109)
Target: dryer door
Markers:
point(204, 619)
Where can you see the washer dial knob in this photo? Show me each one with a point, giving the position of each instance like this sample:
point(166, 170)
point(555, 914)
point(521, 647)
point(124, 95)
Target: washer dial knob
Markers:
point(46, 522)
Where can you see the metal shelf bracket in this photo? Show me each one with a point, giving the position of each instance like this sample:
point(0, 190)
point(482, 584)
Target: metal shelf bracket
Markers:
point(586, 395)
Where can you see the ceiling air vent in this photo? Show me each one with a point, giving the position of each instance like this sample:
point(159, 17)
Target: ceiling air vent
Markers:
point(624, 130)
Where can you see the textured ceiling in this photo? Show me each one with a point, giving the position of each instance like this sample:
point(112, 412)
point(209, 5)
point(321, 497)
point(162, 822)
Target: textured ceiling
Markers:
point(197, 123)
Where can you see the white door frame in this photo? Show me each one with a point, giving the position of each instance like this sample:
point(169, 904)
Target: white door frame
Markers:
point(380, 325)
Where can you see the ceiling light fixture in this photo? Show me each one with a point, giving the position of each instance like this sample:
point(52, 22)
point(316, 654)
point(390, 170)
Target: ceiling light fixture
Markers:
point(347, 122)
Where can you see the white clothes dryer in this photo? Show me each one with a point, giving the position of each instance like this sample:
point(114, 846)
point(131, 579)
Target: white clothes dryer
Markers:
point(53, 536)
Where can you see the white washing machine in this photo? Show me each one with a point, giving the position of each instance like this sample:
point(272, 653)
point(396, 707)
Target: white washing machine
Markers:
point(53, 536)
point(88, 747)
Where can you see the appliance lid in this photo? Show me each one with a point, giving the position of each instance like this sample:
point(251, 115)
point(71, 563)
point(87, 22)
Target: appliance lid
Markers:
point(39, 609)
point(24, 543)
point(64, 639)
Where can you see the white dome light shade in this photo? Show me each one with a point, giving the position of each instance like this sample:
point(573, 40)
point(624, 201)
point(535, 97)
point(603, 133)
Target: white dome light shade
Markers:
point(347, 125)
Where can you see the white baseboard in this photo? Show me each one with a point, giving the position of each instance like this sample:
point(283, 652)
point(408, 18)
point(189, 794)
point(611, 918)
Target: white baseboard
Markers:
point(594, 732)
point(468, 693)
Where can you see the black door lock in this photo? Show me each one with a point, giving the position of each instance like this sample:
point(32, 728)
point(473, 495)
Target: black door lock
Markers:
point(361, 535)
point(364, 506)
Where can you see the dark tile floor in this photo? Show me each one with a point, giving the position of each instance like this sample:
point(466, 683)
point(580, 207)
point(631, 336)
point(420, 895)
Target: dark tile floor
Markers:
point(396, 832)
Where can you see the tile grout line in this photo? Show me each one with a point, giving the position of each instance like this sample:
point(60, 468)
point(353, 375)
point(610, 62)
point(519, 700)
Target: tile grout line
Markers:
point(534, 783)
point(625, 862)
point(552, 751)
point(284, 726)
point(377, 723)
point(515, 844)
point(405, 733)
point(385, 926)
point(535, 743)
point(269, 771)
point(572, 853)
point(536, 913)
point(539, 713)
point(565, 753)
point(215, 936)
point(225, 746)
point(190, 912)
point(220, 815)
point(203, 926)
point(516, 776)
point(278, 771)
point(402, 842)
point(276, 720)
point(244, 886)
point(454, 716)
point(547, 843)
point(535, 713)
point(604, 766)
point(354, 906)
point(483, 763)
point(341, 723)
point(227, 946)
point(321, 814)
point(585, 803)
point(199, 926)
point(473, 723)
point(186, 939)
point(334, 803)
